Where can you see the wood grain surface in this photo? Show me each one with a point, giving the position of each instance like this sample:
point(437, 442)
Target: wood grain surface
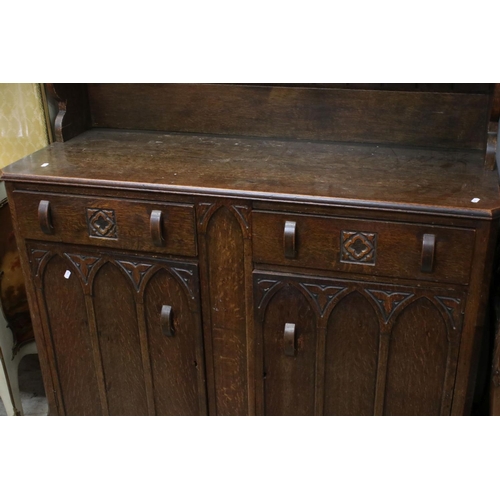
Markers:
point(397, 249)
point(289, 380)
point(228, 312)
point(444, 119)
point(174, 360)
point(351, 358)
point(417, 362)
point(73, 220)
point(421, 180)
point(119, 342)
point(71, 341)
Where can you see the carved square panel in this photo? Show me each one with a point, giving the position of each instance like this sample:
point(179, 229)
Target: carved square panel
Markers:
point(101, 223)
point(358, 248)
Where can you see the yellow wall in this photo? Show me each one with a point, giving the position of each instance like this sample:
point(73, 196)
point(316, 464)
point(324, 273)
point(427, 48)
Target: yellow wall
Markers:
point(22, 121)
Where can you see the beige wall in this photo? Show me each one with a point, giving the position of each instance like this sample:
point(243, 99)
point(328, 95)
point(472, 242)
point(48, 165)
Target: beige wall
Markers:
point(22, 121)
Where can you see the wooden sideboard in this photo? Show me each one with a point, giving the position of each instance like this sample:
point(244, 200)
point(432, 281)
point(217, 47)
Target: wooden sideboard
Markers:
point(261, 249)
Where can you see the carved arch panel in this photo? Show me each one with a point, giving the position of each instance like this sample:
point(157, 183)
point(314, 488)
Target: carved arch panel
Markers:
point(110, 290)
point(177, 364)
point(356, 324)
point(419, 353)
point(241, 211)
point(226, 317)
point(69, 334)
point(289, 375)
point(119, 341)
point(351, 357)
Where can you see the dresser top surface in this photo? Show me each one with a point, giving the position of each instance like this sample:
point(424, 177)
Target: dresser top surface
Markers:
point(339, 174)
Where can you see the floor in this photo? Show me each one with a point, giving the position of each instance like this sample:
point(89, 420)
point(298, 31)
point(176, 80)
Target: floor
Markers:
point(31, 385)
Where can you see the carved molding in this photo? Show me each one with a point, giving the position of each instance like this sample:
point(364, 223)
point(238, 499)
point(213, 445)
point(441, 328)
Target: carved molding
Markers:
point(187, 279)
point(84, 264)
point(38, 259)
point(388, 302)
point(322, 295)
point(135, 271)
point(73, 116)
point(452, 307)
point(241, 212)
point(205, 211)
point(264, 286)
point(358, 248)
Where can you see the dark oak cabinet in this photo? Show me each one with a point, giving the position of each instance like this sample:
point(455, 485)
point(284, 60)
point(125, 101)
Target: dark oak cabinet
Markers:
point(261, 249)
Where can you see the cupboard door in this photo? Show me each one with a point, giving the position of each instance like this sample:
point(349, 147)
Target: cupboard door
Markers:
point(417, 362)
point(362, 348)
point(119, 342)
point(62, 301)
point(289, 335)
point(351, 355)
point(175, 347)
point(124, 333)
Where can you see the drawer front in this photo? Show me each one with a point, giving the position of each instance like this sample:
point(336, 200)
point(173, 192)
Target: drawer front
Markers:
point(432, 253)
point(107, 222)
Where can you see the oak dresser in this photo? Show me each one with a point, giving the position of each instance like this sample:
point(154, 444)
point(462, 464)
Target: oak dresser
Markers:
point(320, 249)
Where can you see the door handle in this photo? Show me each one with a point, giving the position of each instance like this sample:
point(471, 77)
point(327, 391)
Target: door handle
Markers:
point(156, 228)
point(428, 251)
point(289, 339)
point(290, 240)
point(45, 217)
point(167, 326)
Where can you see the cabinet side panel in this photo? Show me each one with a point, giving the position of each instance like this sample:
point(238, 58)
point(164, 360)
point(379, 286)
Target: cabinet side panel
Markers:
point(117, 329)
point(289, 380)
point(417, 361)
point(226, 270)
point(69, 327)
point(351, 357)
point(174, 360)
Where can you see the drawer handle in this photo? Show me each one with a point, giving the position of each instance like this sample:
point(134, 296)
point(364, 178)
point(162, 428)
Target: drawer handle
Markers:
point(45, 217)
point(167, 327)
point(289, 339)
point(289, 239)
point(428, 250)
point(156, 228)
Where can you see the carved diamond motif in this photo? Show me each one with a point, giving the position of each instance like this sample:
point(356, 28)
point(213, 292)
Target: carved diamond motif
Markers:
point(101, 223)
point(360, 248)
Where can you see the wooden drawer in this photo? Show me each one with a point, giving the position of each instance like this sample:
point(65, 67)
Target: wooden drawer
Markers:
point(134, 225)
point(364, 246)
